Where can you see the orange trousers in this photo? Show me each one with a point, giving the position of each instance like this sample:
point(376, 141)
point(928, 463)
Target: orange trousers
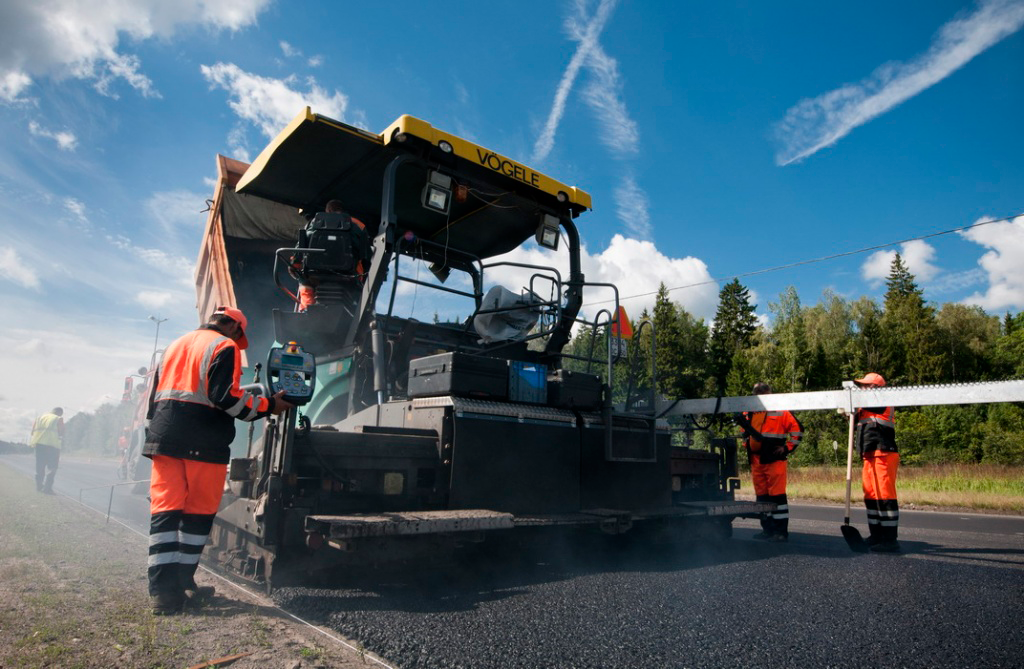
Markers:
point(878, 479)
point(770, 486)
point(184, 498)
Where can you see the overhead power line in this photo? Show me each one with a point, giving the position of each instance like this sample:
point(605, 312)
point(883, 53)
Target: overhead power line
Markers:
point(813, 260)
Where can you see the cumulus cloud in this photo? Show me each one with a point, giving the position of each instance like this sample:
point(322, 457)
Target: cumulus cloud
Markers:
point(84, 38)
point(916, 254)
point(636, 267)
point(820, 122)
point(1001, 263)
point(268, 103)
point(12, 84)
point(66, 141)
point(14, 269)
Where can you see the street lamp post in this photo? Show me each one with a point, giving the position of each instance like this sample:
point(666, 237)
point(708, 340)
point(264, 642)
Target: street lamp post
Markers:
point(156, 339)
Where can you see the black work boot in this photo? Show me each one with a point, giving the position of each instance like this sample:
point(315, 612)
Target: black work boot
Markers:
point(167, 603)
point(887, 541)
point(199, 593)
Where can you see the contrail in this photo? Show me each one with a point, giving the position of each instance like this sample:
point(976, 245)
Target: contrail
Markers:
point(822, 121)
point(587, 42)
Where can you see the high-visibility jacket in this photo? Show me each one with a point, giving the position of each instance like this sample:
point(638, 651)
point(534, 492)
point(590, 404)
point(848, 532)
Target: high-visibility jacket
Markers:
point(196, 397)
point(47, 430)
point(774, 436)
point(876, 430)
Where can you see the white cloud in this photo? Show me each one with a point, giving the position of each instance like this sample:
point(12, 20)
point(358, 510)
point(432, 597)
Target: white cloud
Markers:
point(237, 144)
point(13, 268)
point(178, 209)
point(916, 254)
point(77, 210)
point(587, 42)
point(315, 61)
point(1002, 264)
point(268, 103)
point(154, 299)
point(66, 141)
point(635, 267)
point(176, 268)
point(34, 347)
point(633, 208)
point(288, 50)
point(822, 121)
point(603, 95)
point(12, 84)
point(83, 38)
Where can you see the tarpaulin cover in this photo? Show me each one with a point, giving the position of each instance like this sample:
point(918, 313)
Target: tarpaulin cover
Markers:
point(249, 217)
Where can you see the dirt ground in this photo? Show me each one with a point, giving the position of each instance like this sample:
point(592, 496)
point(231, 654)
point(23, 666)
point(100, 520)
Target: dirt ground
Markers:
point(73, 594)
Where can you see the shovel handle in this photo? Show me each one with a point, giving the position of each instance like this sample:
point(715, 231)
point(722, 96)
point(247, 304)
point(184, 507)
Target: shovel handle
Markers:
point(849, 469)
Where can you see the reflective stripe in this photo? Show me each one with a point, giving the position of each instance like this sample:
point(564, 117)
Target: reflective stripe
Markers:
point(238, 406)
point(889, 514)
point(194, 539)
point(189, 559)
point(200, 395)
point(157, 559)
point(889, 523)
point(163, 538)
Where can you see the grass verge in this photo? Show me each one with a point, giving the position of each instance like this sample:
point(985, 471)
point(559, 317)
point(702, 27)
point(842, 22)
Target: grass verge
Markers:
point(982, 488)
point(73, 595)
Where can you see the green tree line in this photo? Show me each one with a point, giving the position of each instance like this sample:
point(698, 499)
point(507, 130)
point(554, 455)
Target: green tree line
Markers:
point(906, 339)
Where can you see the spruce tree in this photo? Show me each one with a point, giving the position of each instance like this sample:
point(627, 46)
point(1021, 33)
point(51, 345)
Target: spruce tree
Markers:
point(734, 326)
point(912, 350)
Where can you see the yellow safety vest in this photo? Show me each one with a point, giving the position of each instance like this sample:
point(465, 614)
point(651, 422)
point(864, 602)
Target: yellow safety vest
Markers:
point(46, 431)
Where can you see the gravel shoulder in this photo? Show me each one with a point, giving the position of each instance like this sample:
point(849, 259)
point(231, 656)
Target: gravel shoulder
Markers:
point(73, 594)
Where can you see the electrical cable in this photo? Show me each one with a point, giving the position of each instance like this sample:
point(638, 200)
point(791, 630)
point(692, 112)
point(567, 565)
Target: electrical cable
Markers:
point(814, 260)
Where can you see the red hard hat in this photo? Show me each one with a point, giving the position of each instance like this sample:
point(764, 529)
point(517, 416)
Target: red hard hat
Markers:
point(870, 379)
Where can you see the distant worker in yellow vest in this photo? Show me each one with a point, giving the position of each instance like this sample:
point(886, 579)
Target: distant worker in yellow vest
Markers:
point(47, 438)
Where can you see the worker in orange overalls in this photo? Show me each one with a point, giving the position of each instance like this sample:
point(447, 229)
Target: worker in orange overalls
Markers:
point(876, 442)
point(193, 406)
point(770, 436)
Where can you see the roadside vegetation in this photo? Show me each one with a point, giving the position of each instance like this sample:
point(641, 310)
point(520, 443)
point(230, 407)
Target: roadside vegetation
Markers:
point(982, 488)
point(905, 338)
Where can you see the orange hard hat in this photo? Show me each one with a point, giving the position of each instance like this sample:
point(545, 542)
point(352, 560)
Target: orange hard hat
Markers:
point(870, 379)
point(237, 316)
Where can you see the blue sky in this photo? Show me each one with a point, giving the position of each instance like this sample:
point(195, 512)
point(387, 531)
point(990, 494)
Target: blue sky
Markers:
point(715, 138)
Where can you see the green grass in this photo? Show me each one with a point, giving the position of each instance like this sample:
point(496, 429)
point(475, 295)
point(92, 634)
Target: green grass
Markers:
point(991, 488)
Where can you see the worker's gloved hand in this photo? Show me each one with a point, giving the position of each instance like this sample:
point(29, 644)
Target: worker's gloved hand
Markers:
point(843, 413)
point(280, 403)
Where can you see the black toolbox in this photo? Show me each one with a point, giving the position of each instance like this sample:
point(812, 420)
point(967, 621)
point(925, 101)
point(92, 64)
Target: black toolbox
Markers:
point(458, 374)
point(574, 390)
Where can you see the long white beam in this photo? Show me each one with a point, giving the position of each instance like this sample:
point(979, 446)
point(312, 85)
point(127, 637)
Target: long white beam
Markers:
point(852, 398)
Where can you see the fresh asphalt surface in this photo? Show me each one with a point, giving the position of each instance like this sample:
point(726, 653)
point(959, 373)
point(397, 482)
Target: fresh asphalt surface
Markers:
point(954, 598)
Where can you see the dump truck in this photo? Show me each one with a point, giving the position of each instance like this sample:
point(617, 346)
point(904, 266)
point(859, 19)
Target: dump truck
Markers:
point(414, 436)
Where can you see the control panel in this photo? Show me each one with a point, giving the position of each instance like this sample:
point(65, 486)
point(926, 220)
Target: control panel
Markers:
point(292, 370)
